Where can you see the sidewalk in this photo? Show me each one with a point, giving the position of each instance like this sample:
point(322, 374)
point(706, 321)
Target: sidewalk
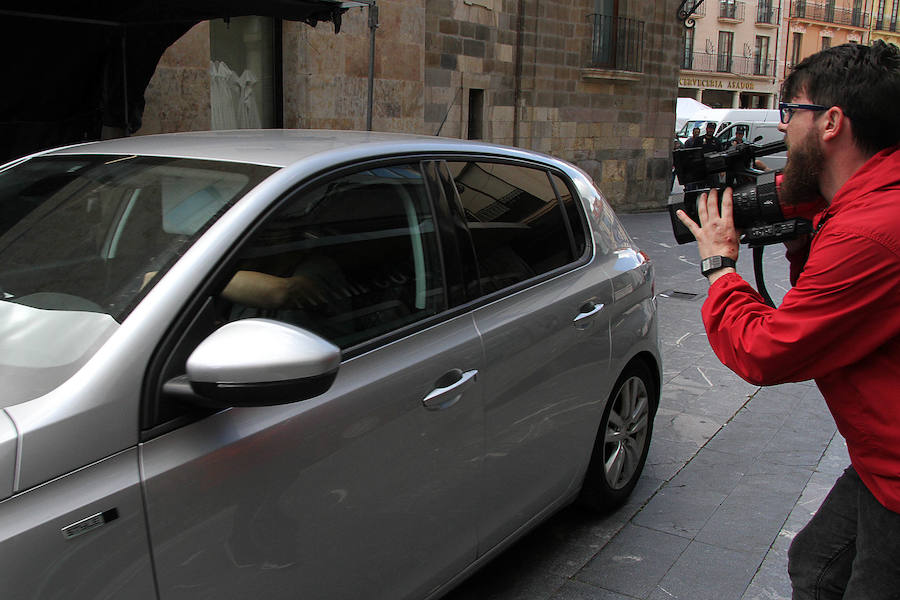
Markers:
point(734, 471)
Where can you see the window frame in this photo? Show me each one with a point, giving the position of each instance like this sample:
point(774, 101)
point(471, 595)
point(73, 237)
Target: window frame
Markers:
point(725, 60)
point(177, 340)
point(575, 261)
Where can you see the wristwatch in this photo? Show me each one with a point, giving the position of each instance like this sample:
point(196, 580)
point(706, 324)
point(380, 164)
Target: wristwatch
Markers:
point(711, 264)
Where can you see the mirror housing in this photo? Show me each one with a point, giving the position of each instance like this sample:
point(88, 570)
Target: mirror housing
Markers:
point(257, 362)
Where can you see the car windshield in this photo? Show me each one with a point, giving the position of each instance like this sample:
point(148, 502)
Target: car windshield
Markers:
point(82, 239)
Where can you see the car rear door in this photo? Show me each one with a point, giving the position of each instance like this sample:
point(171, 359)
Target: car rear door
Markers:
point(370, 490)
point(543, 319)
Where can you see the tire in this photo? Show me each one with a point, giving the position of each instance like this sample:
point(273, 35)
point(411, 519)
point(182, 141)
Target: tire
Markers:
point(622, 442)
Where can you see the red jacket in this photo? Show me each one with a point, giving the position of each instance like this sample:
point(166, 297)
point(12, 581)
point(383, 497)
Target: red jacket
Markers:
point(839, 324)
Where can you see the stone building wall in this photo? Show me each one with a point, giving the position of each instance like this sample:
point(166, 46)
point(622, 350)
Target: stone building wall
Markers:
point(529, 59)
point(177, 98)
point(326, 75)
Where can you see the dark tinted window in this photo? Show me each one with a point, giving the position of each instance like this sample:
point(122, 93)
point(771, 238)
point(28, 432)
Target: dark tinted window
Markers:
point(516, 223)
point(573, 213)
point(351, 259)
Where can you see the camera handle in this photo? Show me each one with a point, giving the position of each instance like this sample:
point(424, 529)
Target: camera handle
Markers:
point(758, 274)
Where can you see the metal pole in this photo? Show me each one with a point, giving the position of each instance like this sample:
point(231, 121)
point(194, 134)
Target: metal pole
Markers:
point(373, 25)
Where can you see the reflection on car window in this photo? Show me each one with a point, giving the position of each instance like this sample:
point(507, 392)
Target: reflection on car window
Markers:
point(81, 233)
point(349, 260)
point(515, 220)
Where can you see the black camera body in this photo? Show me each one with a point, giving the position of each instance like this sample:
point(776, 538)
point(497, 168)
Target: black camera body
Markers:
point(758, 213)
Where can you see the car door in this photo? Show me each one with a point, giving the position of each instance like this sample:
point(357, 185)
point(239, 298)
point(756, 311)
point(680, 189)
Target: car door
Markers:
point(546, 334)
point(370, 490)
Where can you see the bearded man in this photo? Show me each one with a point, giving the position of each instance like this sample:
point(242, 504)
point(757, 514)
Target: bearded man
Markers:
point(840, 322)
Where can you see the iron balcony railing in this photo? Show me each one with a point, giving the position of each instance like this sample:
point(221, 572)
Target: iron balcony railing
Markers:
point(885, 25)
point(829, 13)
point(728, 63)
point(729, 9)
point(616, 43)
point(766, 14)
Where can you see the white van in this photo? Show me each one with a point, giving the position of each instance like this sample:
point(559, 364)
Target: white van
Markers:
point(760, 126)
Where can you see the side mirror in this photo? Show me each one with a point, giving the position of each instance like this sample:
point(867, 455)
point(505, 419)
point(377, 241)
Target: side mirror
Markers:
point(257, 362)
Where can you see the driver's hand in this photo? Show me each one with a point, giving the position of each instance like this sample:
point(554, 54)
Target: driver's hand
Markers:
point(716, 234)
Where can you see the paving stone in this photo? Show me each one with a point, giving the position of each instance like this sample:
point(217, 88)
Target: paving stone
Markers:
point(679, 510)
point(576, 590)
point(706, 572)
point(634, 561)
point(753, 514)
point(667, 457)
point(683, 427)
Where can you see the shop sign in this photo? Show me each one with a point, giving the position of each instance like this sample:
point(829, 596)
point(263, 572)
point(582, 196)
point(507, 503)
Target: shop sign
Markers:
point(730, 84)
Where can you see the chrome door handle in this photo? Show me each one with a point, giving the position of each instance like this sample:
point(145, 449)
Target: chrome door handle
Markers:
point(588, 311)
point(445, 397)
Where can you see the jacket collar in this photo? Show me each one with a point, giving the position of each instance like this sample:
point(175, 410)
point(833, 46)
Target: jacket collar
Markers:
point(882, 170)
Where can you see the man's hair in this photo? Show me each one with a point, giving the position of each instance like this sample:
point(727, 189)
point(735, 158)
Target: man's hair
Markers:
point(864, 81)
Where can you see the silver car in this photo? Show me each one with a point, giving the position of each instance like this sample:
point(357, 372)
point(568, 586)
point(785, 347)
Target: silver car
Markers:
point(307, 364)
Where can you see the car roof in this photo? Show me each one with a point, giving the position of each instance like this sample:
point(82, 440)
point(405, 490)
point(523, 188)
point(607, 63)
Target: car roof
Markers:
point(274, 147)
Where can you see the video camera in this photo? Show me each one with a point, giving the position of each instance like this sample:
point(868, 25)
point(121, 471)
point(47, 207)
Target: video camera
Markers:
point(758, 213)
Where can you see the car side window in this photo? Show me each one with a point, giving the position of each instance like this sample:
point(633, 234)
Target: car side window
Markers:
point(571, 205)
point(349, 260)
point(516, 221)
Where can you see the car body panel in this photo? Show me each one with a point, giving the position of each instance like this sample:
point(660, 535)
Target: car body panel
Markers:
point(546, 389)
point(8, 450)
point(311, 489)
point(109, 561)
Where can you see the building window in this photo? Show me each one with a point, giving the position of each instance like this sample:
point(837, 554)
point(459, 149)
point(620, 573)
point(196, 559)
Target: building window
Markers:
point(726, 45)
point(857, 19)
point(829, 11)
point(894, 16)
point(728, 9)
point(616, 42)
point(761, 56)
point(826, 43)
point(687, 57)
point(765, 13)
point(796, 49)
point(476, 114)
point(243, 85)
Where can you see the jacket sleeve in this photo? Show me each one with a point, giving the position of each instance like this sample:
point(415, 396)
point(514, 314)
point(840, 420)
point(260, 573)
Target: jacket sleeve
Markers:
point(844, 306)
point(797, 260)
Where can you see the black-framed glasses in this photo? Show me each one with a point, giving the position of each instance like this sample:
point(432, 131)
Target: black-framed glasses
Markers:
point(787, 109)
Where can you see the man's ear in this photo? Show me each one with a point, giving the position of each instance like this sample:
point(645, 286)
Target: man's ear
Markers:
point(834, 124)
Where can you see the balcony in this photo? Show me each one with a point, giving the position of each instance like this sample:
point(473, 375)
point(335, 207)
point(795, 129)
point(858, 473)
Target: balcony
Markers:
point(884, 25)
point(731, 11)
point(616, 43)
point(767, 15)
point(828, 13)
point(755, 66)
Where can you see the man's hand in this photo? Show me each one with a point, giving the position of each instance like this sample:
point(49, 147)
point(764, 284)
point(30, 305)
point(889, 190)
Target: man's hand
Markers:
point(715, 235)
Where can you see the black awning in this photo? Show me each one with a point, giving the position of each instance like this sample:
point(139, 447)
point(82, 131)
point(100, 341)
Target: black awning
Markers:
point(73, 67)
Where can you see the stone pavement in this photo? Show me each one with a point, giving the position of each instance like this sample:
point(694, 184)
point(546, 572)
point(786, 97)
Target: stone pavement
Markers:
point(734, 472)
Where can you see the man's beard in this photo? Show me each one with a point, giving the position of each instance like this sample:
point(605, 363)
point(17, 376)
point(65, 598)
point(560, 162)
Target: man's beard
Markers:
point(801, 172)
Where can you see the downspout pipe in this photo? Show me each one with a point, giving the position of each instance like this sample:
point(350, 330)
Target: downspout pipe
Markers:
point(517, 92)
point(373, 25)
